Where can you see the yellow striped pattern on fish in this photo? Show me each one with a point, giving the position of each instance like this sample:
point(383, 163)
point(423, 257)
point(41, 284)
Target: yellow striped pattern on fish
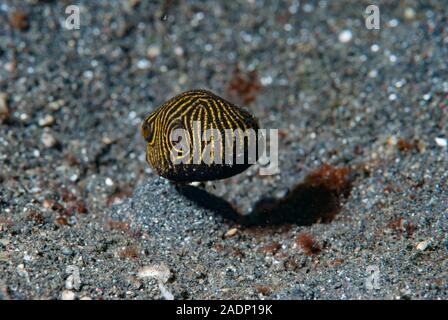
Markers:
point(187, 111)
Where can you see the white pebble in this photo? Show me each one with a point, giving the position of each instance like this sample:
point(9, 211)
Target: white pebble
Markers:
point(143, 64)
point(68, 295)
point(179, 51)
point(308, 7)
point(109, 182)
point(153, 51)
point(345, 36)
point(208, 47)
point(46, 121)
point(88, 74)
point(287, 27)
point(441, 142)
point(409, 13)
point(165, 293)
point(73, 281)
point(392, 97)
point(400, 83)
point(423, 245)
point(48, 140)
point(56, 105)
point(375, 48)
point(393, 23)
point(231, 233)
point(373, 73)
point(158, 271)
point(265, 81)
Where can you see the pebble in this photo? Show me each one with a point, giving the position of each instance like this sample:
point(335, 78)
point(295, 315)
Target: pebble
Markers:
point(392, 97)
point(374, 48)
point(67, 295)
point(143, 64)
point(373, 73)
point(48, 140)
point(158, 271)
point(56, 105)
point(441, 142)
point(345, 36)
point(47, 204)
point(231, 233)
point(423, 245)
point(46, 121)
point(66, 252)
point(4, 256)
point(409, 13)
point(427, 97)
point(109, 182)
point(4, 109)
point(153, 51)
point(393, 23)
point(179, 51)
point(165, 293)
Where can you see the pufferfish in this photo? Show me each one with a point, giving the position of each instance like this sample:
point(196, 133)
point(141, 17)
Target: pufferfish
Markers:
point(216, 139)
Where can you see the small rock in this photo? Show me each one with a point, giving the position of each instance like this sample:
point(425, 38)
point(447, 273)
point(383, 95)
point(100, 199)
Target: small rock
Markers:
point(231, 233)
point(143, 64)
point(56, 105)
point(441, 142)
point(4, 256)
point(73, 281)
point(4, 108)
point(106, 140)
point(67, 295)
point(165, 293)
point(66, 252)
point(178, 51)
point(423, 245)
point(10, 66)
point(271, 248)
point(409, 13)
point(46, 121)
point(85, 298)
point(153, 51)
point(48, 140)
point(158, 271)
point(47, 204)
point(109, 182)
point(345, 36)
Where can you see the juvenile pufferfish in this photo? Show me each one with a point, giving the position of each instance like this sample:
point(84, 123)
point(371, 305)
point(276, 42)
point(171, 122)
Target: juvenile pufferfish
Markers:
point(185, 111)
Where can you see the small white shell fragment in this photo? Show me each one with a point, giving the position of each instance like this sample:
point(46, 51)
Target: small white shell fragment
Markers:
point(67, 295)
point(345, 36)
point(441, 142)
point(158, 271)
point(423, 245)
point(231, 233)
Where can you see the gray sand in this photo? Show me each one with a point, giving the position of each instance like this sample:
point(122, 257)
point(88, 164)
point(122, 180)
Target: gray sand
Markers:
point(83, 216)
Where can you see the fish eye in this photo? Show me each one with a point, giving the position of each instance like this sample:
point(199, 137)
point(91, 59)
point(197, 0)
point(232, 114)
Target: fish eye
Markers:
point(148, 131)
